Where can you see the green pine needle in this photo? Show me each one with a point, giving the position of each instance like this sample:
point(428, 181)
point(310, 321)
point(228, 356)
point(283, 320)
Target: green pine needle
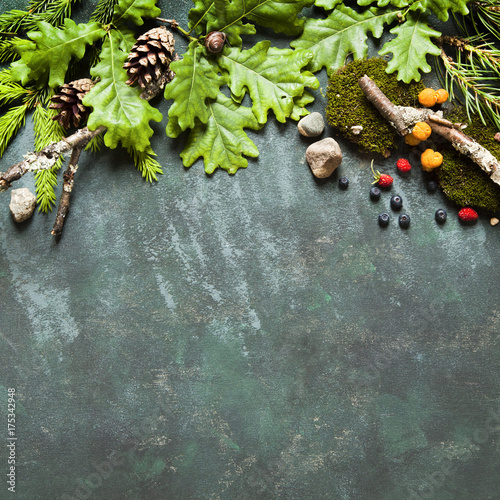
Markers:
point(103, 12)
point(145, 163)
point(95, 144)
point(10, 123)
point(12, 92)
point(46, 131)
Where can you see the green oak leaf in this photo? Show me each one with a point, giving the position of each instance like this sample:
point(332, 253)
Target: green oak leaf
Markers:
point(222, 142)
point(259, 71)
point(342, 33)
point(299, 106)
point(227, 16)
point(441, 8)
point(410, 48)
point(384, 3)
point(115, 104)
point(134, 11)
point(328, 4)
point(47, 58)
point(195, 81)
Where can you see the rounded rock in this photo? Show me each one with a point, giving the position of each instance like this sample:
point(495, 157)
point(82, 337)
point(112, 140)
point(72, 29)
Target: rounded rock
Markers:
point(311, 125)
point(22, 204)
point(324, 157)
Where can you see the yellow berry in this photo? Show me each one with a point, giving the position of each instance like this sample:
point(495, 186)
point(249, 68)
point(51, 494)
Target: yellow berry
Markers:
point(441, 96)
point(430, 160)
point(421, 131)
point(411, 140)
point(427, 98)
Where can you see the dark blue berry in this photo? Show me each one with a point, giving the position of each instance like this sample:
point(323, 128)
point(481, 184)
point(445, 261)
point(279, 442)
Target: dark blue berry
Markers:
point(396, 202)
point(431, 186)
point(404, 221)
point(375, 193)
point(441, 216)
point(343, 183)
point(383, 220)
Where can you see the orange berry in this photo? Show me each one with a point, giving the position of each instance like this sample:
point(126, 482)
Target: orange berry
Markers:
point(430, 160)
point(421, 131)
point(441, 96)
point(411, 140)
point(427, 98)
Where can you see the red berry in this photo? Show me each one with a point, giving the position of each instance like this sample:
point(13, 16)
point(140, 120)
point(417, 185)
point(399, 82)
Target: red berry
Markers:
point(467, 214)
point(383, 180)
point(403, 165)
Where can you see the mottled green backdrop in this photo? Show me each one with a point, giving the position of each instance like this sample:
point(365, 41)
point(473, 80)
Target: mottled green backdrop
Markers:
point(248, 337)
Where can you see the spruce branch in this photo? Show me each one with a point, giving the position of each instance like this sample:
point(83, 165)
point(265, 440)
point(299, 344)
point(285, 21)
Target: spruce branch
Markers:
point(402, 118)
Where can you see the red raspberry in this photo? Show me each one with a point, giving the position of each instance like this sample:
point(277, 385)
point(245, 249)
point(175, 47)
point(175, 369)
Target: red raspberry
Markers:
point(403, 165)
point(467, 214)
point(383, 180)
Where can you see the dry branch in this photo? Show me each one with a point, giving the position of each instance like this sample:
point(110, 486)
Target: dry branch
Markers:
point(47, 157)
point(403, 118)
point(68, 181)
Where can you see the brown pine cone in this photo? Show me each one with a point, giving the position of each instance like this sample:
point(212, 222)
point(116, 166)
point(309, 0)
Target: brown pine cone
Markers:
point(150, 56)
point(69, 102)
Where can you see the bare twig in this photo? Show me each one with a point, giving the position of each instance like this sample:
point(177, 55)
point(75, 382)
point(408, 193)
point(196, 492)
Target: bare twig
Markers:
point(47, 157)
point(68, 182)
point(403, 118)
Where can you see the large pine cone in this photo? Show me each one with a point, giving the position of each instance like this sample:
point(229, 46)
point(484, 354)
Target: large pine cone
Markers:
point(150, 56)
point(69, 102)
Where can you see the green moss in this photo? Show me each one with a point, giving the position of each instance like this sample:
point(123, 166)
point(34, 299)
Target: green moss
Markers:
point(348, 106)
point(461, 179)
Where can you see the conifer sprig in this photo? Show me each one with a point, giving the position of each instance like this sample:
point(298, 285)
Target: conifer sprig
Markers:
point(145, 163)
point(46, 131)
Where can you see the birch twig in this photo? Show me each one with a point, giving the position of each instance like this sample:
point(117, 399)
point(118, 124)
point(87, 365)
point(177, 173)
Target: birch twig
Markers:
point(403, 118)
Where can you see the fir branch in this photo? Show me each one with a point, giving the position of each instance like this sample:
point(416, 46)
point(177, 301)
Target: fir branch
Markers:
point(474, 86)
point(13, 20)
point(145, 163)
point(10, 123)
point(95, 144)
point(46, 131)
point(54, 13)
point(103, 12)
point(11, 92)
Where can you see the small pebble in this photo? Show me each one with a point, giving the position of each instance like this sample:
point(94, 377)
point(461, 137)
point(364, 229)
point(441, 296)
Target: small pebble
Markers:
point(311, 125)
point(494, 221)
point(22, 204)
point(324, 157)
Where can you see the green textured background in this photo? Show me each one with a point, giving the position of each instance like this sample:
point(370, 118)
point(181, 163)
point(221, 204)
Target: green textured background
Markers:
point(248, 337)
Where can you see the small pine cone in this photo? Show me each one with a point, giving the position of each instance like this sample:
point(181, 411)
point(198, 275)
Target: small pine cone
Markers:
point(150, 56)
point(69, 102)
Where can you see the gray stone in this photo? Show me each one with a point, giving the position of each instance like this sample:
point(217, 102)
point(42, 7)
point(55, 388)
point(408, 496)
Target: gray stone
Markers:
point(311, 125)
point(22, 204)
point(324, 157)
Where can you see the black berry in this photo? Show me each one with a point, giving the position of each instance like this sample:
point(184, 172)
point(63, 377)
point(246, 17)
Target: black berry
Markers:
point(441, 216)
point(396, 202)
point(375, 193)
point(383, 220)
point(431, 186)
point(404, 221)
point(343, 183)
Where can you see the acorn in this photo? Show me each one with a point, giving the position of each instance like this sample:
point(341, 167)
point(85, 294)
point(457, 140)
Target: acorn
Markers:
point(214, 41)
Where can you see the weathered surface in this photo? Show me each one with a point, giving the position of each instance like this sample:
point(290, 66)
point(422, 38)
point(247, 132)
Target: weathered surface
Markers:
point(324, 157)
point(22, 204)
point(311, 125)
